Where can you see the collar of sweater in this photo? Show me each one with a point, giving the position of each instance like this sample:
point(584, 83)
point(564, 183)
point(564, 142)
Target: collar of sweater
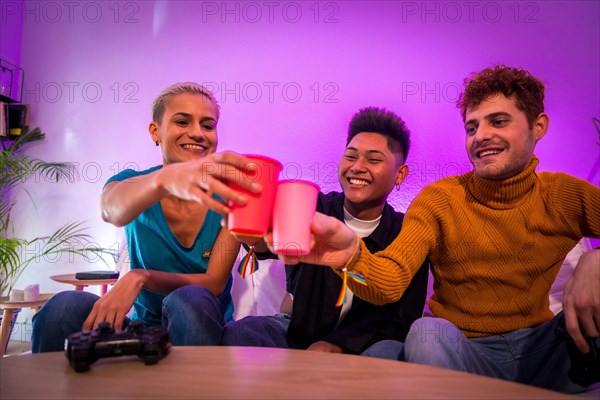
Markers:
point(503, 193)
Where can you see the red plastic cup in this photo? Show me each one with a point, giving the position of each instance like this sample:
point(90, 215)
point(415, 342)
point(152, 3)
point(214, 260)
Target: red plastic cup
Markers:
point(295, 206)
point(250, 222)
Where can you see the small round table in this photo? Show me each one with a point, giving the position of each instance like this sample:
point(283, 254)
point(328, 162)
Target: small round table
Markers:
point(9, 308)
point(82, 283)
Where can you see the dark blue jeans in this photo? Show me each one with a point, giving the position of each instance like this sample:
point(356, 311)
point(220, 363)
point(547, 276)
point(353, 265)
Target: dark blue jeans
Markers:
point(192, 315)
point(533, 356)
point(258, 331)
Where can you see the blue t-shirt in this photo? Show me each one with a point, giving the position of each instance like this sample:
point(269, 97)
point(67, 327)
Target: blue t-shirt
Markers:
point(153, 246)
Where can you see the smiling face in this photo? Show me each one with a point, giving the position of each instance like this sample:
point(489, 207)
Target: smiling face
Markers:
point(499, 141)
point(188, 129)
point(368, 172)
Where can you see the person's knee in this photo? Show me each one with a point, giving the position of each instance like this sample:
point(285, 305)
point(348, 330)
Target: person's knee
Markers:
point(193, 316)
point(388, 349)
point(431, 337)
point(261, 331)
point(434, 331)
point(234, 334)
point(190, 303)
point(188, 295)
point(61, 316)
point(65, 306)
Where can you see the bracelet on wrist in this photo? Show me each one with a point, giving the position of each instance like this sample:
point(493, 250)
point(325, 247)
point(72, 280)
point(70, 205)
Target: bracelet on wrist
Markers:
point(345, 274)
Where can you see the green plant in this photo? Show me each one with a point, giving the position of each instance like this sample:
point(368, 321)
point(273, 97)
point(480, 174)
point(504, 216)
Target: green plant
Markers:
point(15, 169)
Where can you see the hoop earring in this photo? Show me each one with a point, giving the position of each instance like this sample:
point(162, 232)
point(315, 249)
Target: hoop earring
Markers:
point(156, 143)
point(397, 185)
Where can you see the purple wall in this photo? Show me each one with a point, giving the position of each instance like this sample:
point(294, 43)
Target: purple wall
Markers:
point(289, 75)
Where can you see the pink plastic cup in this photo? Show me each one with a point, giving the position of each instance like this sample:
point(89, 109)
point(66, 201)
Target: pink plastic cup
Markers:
point(250, 222)
point(294, 210)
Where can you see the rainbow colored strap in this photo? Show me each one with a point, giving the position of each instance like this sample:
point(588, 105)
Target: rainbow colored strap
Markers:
point(249, 261)
point(358, 278)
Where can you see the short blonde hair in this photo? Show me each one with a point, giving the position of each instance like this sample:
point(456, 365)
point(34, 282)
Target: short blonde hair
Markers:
point(159, 104)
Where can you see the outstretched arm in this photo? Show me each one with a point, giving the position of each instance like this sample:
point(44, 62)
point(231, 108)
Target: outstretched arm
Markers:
point(388, 272)
point(197, 180)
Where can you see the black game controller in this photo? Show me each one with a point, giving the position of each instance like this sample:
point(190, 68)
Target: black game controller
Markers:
point(585, 367)
point(149, 343)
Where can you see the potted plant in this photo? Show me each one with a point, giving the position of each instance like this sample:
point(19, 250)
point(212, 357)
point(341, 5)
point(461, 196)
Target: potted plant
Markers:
point(15, 169)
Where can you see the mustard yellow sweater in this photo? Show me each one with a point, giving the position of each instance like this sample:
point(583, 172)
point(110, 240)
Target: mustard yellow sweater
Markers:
point(495, 247)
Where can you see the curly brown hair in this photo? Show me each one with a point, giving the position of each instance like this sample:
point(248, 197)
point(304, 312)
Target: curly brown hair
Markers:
point(527, 90)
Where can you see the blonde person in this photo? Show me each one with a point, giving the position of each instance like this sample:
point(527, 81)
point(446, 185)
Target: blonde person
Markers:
point(179, 253)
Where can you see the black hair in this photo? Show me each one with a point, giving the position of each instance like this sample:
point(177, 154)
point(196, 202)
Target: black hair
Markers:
point(383, 122)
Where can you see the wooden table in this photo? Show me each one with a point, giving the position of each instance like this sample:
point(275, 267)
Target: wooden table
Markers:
point(80, 284)
point(247, 373)
point(8, 309)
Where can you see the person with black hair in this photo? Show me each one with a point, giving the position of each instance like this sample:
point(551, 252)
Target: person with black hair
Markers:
point(373, 164)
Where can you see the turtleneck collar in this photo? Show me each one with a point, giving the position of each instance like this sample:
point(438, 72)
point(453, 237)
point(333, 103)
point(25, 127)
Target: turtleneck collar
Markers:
point(503, 193)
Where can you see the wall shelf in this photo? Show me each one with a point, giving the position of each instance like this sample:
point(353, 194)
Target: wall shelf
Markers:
point(13, 114)
point(11, 82)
